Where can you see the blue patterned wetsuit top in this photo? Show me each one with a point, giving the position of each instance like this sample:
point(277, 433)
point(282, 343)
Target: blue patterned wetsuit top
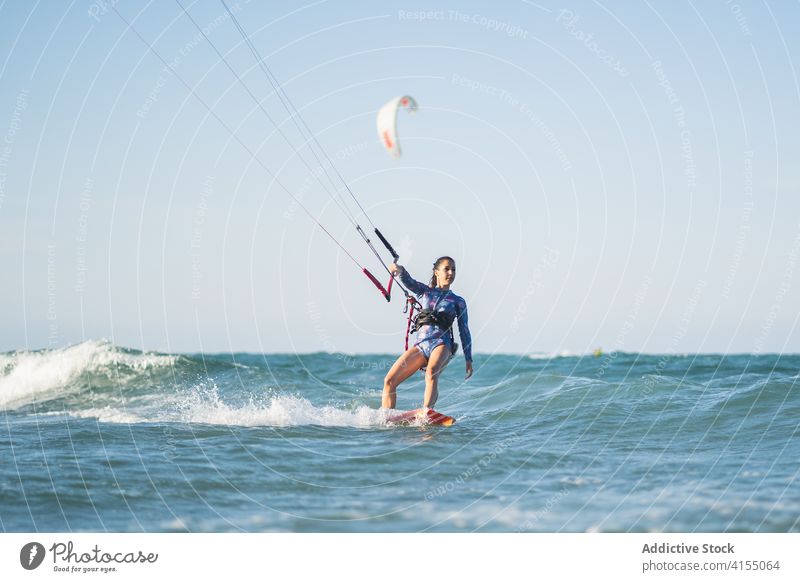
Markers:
point(451, 305)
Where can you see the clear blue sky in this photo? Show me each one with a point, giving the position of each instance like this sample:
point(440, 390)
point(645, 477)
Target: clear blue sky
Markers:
point(608, 174)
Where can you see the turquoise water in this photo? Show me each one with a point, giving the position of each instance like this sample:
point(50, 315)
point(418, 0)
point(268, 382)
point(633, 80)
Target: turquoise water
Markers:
point(101, 438)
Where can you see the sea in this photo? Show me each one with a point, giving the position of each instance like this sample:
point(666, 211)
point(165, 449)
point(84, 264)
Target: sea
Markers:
point(97, 437)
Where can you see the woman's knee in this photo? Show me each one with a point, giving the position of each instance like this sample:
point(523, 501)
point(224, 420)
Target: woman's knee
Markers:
point(433, 372)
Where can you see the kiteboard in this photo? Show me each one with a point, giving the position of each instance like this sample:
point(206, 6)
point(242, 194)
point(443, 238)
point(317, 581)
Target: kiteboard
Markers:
point(419, 416)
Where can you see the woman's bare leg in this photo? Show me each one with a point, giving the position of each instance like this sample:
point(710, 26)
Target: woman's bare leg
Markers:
point(408, 363)
point(436, 363)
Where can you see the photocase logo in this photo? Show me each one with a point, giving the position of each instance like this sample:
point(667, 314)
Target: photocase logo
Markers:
point(31, 555)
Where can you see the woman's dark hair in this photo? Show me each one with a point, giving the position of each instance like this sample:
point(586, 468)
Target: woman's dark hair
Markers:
point(436, 264)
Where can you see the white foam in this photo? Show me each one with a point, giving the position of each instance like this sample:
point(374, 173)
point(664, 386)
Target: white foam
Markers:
point(26, 377)
point(108, 414)
point(206, 407)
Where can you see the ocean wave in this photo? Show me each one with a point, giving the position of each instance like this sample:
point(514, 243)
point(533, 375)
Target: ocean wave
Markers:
point(96, 379)
point(33, 376)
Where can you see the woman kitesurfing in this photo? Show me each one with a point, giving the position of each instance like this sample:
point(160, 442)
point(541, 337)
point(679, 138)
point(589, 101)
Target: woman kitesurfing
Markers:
point(435, 345)
point(439, 306)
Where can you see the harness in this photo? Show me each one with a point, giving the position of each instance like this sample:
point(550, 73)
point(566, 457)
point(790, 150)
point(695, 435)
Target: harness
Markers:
point(429, 317)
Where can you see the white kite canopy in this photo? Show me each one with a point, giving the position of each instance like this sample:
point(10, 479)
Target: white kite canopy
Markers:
point(387, 122)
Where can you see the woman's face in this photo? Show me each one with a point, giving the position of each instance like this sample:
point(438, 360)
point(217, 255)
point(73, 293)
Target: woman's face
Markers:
point(445, 273)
